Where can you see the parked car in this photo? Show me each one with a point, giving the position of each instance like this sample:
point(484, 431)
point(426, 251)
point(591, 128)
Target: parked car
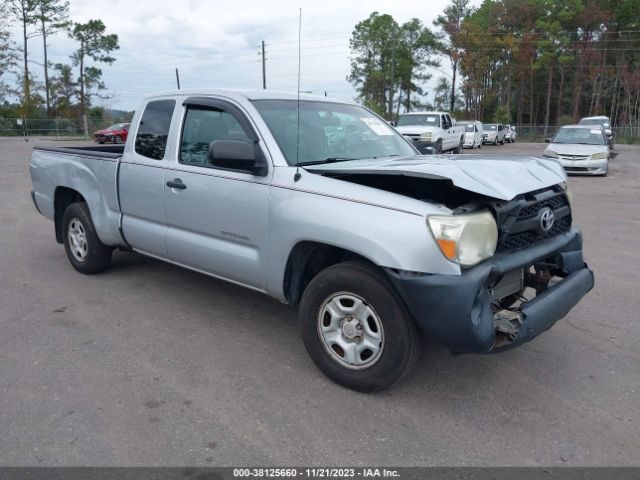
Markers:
point(493, 133)
point(580, 149)
point(602, 121)
point(114, 134)
point(435, 131)
point(373, 241)
point(472, 134)
point(509, 134)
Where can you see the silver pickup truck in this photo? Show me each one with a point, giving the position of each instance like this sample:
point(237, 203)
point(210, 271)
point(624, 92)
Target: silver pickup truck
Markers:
point(322, 204)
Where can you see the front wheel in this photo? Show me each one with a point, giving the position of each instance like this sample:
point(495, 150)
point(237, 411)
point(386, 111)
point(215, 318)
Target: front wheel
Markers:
point(356, 329)
point(84, 249)
point(118, 139)
point(459, 148)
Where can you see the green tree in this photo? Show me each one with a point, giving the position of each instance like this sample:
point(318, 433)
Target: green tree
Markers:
point(95, 45)
point(8, 53)
point(52, 16)
point(555, 42)
point(450, 24)
point(416, 53)
point(387, 58)
point(64, 90)
point(374, 43)
point(24, 12)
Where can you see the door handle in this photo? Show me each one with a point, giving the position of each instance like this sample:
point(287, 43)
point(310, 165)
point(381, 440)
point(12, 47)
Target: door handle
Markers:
point(176, 183)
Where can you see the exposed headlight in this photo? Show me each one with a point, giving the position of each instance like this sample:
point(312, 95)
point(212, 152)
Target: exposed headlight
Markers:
point(551, 154)
point(565, 186)
point(465, 239)
point(599, 156)
point(426, 136)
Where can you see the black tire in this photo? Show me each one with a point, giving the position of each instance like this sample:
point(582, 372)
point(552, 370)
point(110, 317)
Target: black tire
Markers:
point(97, 255)
point(502, 142)
point(458, 150)
point(495, 142)
point(400, 345)
point(117, 139)
point(101, 142)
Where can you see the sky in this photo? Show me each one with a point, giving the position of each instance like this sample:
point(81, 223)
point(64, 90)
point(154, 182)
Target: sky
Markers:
point(216, 44)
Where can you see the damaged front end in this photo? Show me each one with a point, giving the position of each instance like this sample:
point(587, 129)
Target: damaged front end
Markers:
point(536, 276)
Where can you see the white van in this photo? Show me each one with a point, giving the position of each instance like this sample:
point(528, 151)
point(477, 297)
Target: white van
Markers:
point(473, 131)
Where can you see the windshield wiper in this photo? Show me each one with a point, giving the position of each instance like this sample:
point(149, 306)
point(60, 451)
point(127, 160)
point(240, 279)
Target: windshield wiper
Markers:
point(328, 160)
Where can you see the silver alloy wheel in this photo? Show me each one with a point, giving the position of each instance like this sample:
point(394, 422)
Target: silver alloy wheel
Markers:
point(77, 240)
point(350, 330)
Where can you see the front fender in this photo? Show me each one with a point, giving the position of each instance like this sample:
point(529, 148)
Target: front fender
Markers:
point(389, 234)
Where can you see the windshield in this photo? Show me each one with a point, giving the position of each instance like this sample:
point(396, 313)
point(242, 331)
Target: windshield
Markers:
point(469, 127)
point(595, 121)
point(118, 126)
point(431, 120)
point(490, 127)
point(330, 132)
point(585, 136)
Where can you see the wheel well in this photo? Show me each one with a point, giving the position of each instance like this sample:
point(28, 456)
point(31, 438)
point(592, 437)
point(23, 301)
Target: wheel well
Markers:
point(306, 260)
point(63, 197)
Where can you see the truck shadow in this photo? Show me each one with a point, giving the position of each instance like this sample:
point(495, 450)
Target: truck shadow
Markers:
point(261, 320)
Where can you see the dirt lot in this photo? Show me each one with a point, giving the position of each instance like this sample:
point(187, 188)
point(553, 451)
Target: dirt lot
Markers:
point(149, 364)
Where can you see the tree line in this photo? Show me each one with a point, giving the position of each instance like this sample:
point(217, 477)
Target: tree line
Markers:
point(66, 89)
point(531, 62)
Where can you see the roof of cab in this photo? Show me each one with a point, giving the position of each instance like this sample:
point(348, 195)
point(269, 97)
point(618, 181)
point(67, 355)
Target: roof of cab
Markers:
point(246, 94)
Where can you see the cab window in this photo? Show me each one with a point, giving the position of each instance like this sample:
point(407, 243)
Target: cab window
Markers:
point(203, 126)
point(153, 131)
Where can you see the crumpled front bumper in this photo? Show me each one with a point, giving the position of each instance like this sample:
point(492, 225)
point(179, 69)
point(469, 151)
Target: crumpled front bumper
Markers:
point(456, 311)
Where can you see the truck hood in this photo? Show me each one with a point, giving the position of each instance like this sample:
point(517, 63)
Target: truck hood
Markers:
point(501, 177)
point(415, 129)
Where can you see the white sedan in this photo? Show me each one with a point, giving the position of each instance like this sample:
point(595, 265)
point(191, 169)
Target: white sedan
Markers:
point(580, 149)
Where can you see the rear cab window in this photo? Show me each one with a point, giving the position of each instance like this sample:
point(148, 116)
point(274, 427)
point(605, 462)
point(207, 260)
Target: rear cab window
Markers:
point(153, 130)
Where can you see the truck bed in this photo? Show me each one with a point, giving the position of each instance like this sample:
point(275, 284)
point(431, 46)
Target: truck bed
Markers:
point(92, 172)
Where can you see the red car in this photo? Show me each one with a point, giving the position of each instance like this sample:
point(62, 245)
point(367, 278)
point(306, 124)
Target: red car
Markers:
point(114, 134)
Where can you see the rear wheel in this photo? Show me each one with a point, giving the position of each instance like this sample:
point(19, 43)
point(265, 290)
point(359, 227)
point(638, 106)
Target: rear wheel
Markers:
point(356, 329)
point(84, 249)
point(118, 139)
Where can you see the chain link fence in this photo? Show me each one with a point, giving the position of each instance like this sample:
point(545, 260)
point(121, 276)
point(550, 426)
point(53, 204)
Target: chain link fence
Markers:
point(82, 127)
point(54, 128)
point(538, 133)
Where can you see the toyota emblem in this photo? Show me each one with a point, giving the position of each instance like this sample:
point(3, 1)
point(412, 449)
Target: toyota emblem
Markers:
point(547, 219)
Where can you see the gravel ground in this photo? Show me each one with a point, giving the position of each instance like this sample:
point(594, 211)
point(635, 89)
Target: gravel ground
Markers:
point(150, 364)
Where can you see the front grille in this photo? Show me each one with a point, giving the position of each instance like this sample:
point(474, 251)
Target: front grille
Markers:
point(519, 241)
point(519, 221)
point(574, 158)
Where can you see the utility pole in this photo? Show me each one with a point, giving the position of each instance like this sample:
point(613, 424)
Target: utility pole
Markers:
point(178, 79)
point(264, 69)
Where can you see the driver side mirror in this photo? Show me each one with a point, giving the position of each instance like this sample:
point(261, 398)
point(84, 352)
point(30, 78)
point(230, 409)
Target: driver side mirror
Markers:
point(237, 155)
